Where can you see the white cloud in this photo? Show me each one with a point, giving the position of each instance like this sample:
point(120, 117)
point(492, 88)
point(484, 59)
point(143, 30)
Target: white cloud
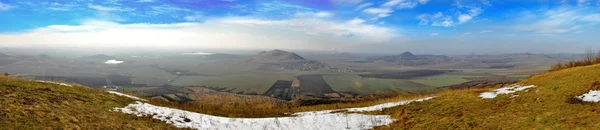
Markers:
point(434, 34)
point(193, 18)
point(356, 21)
point(324, 14)
point(5, 7)
point(439, 19)
point(233, 32)
point(166, 9)
point(378, 12)
point(463, 18)
point(486, 31)
point(104, 8)
point(559, 20)
point(403, 4)
point(392, 3)
point(363, 5)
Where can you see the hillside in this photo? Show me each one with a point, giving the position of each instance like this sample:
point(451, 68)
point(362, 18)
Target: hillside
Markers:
point(2, 55)
point(35, 105)
point(275, 56)
point(278, 59)
point(544, 101)
point(549, 105)
point(101, 57)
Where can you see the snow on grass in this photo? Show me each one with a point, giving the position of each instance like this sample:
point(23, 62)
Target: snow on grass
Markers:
point(125, 95)
point(504, 90)
point(386, 105)
point(323, 121)
point(313, 120)
point(113, 62)
point(50, 82)
point(592, 96)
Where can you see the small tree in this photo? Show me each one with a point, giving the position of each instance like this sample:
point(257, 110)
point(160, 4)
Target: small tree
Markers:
point(589, 56)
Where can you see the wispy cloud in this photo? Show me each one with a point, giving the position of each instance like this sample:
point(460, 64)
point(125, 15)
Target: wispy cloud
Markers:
point(145, 1)
point(486, 31)
point(385, 9)
point(456, 18)
point(105, 8)
point(363, 5)
point(194, 18)
point(321, 27)
point(282, 7)
point(437, 19)
point(559, 20)
point(473, 12)
point(434, 34)
point(378, 12)
point(166, 9)
point(5, 7)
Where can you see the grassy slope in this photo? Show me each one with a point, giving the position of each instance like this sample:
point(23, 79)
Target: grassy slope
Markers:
point(548, 106)
point(31, 105)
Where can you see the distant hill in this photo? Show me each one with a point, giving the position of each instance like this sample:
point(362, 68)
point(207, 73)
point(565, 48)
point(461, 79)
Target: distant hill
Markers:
point(275, 56)
point(409, 59)
point(99, 57)
point(2, 55)
point(278, 59)
point(44, 57)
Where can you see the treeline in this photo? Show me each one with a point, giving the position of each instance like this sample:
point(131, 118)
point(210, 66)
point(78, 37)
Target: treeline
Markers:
point(590, 58)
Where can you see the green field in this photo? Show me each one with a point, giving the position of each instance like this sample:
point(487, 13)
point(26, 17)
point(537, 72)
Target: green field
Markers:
point(356, 84)
point(257, 82)
point(442, 80)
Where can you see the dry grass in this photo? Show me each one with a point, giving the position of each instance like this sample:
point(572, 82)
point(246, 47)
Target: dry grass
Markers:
point(32, 105)
point(589, 58)
point(551, 105)
point(254, 106)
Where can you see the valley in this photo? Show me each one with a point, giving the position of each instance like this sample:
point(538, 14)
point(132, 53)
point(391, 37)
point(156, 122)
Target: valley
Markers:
point(327, 78)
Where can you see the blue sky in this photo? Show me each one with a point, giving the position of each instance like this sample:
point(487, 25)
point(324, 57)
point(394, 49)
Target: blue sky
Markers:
point(422, 26)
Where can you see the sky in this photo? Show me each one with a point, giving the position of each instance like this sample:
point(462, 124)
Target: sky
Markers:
point(389, 26)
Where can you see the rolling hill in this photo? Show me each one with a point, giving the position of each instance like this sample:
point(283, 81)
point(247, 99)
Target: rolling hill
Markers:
point(2, 55)
point(410, 59)
point(551, 100)
point(277, 59)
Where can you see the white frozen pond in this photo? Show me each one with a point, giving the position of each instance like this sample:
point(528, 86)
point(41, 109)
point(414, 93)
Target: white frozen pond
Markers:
point(113, 62)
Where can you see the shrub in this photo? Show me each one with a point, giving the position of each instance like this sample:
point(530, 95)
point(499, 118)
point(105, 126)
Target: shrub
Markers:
point(590, 58)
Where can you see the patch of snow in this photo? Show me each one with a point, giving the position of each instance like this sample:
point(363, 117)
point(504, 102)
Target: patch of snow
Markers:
point(198, 53)
point(113, 62)
point(125, 95)
point(50, 82)
point(504, 90)
point(591, 96)
point(325, 119)
point(386, 105)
